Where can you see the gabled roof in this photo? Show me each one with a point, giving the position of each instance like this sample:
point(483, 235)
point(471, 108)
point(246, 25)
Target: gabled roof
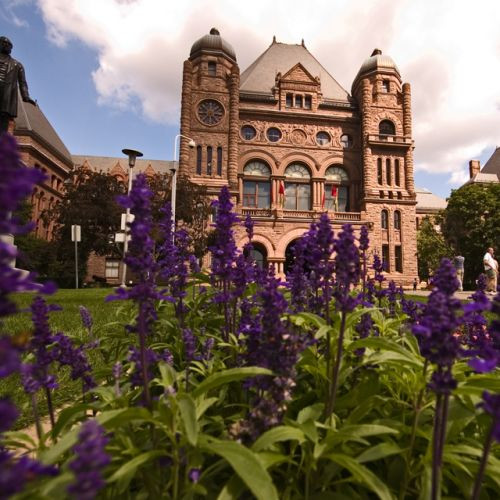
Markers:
point(493, 164)
point(119, 165)
point(30, 119)
point(427, 201)
point(260, 76)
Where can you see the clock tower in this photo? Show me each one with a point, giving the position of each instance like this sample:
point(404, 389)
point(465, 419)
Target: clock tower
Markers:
point(209, 113)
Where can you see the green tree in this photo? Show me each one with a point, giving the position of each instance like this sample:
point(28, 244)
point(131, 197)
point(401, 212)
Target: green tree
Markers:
point(431, 248)
point(89, 201)
point(471, 224)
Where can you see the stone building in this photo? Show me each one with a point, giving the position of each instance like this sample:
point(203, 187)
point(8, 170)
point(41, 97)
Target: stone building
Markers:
point(41, 147)
point(490, 173)
point(291, 143)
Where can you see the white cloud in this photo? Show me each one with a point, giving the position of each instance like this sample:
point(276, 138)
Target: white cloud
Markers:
point(449, 51)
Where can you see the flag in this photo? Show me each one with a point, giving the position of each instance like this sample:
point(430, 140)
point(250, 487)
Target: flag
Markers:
point(334, 196)
point(281, 191)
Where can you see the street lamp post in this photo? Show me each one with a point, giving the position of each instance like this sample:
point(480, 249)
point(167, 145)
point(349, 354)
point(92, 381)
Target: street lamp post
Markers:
point(132, 155)
point(173, 169)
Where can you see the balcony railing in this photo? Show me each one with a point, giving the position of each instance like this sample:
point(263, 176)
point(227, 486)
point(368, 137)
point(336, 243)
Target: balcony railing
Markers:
point(257, 212)
point(300, 214)
point(396, 140)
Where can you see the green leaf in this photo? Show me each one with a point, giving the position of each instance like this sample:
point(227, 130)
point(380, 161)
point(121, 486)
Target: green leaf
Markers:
point(66, 415)
point(381, 450)
point(227, 376)
point(247, 465)
point(203, 405)
point(361, 431)
point(312, 412)
point(280, 433)
point(129, 468)
point(188, 413)
point(111, 418)
point(362, 475)
point(233, 489)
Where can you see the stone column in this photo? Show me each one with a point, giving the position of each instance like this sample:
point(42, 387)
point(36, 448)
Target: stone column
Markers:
point(186, 105)
point(234, 100)
point(407, 129)
point(366, 103)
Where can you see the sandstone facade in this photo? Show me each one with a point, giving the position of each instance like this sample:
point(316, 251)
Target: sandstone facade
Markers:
point(291, 143)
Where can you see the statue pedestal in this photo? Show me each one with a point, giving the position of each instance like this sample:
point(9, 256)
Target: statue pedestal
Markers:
point(9, 240)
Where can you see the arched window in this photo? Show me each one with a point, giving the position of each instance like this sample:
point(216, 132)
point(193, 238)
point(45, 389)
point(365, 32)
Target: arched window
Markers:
point(397, 173)
point(259, 255)
point(336, 189)
point(198, 160)
point(397, 219)
point(219, 161)
point(209, 160)
point(297, 187)
point(380, 177)
point(256, 185)
point(384, 219)
point(386, 127)
point(388, 171)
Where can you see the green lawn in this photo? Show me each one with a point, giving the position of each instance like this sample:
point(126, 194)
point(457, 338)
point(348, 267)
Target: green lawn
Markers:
point(67, 321)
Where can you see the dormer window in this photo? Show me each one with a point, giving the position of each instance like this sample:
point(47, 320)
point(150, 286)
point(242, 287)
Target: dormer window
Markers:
point(386, 86)
point(298, 101)
point(307, 102)
point(212, 68)
point(289, 100)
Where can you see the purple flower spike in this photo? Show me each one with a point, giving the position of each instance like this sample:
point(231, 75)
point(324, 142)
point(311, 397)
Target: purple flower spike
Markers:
point(86, 318)
point(9, 357)
point(8, 414)
point(491, 405)
point(90, 459)
point(194, 475)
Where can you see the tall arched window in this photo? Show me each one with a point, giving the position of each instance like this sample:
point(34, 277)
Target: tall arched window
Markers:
point(380, 177)
point(297, 187)
point(397, 219)
point(198, 160)
point(388, 175)
point(219, 161)
point(209, 160)
point(384, 219)
point(386, 127)
point(397, 173)
point(256, 185)
point(336, 189)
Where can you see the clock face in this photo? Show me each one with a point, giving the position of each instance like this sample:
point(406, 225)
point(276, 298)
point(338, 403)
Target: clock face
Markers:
point(210, 112)
point(336, 174)
point(297, 170)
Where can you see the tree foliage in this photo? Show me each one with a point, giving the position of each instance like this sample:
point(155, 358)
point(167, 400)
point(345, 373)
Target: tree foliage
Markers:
point(471, 224)
point(431, 248)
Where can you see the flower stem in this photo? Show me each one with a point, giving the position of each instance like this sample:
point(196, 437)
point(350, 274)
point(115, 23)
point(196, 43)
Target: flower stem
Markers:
point(141, 319)
point(436, 467)
point(336, 368)
point(50, 408)
point(482, 465)
point(36, 416)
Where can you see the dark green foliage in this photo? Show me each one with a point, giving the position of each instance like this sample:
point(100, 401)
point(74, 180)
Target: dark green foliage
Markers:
point(431, 248)
point(471, 224)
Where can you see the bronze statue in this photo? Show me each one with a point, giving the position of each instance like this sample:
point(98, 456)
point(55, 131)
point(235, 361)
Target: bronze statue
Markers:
point(11, 75)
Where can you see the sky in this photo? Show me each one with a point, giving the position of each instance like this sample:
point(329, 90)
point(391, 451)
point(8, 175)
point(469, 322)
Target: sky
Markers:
point(107, 73)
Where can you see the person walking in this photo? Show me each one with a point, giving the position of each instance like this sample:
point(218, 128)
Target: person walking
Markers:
point(458, 262)
point(491, 270)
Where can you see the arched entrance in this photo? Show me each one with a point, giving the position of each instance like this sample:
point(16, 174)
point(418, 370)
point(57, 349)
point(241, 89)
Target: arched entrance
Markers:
point(290, 257)
point(259, 254)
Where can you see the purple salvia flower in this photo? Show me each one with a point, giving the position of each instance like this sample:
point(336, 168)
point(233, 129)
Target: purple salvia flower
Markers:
point(347, 268)
point(91, 458)
point(364, 243)
point(189, 344)
point(491, 405)
point(363, 329)
point(10, 361)
point(16, 184)
point(86, 318)
point(249, 227)
point(297, 280)
point(8, 414)
point(16, 472)
point(206, 351)
point(194, 475)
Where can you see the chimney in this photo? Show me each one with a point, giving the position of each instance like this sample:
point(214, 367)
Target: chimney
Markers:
point(474, 168)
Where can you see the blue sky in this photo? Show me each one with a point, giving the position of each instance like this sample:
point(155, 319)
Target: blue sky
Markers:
point(107, 73)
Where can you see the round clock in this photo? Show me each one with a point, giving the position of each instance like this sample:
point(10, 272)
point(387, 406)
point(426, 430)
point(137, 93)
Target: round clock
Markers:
point(210, 111)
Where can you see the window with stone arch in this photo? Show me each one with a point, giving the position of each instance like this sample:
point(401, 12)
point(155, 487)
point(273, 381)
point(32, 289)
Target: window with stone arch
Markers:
point(297, 187)
point(384, 219)
point(386, 127)
point(397, 220)
point(337, 189)
point(257, 185)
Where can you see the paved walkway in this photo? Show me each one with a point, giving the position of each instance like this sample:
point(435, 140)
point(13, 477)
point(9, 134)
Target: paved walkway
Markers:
point(459, 295)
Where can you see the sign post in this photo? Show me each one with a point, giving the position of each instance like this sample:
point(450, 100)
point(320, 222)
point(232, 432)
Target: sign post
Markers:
point(76, 236)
